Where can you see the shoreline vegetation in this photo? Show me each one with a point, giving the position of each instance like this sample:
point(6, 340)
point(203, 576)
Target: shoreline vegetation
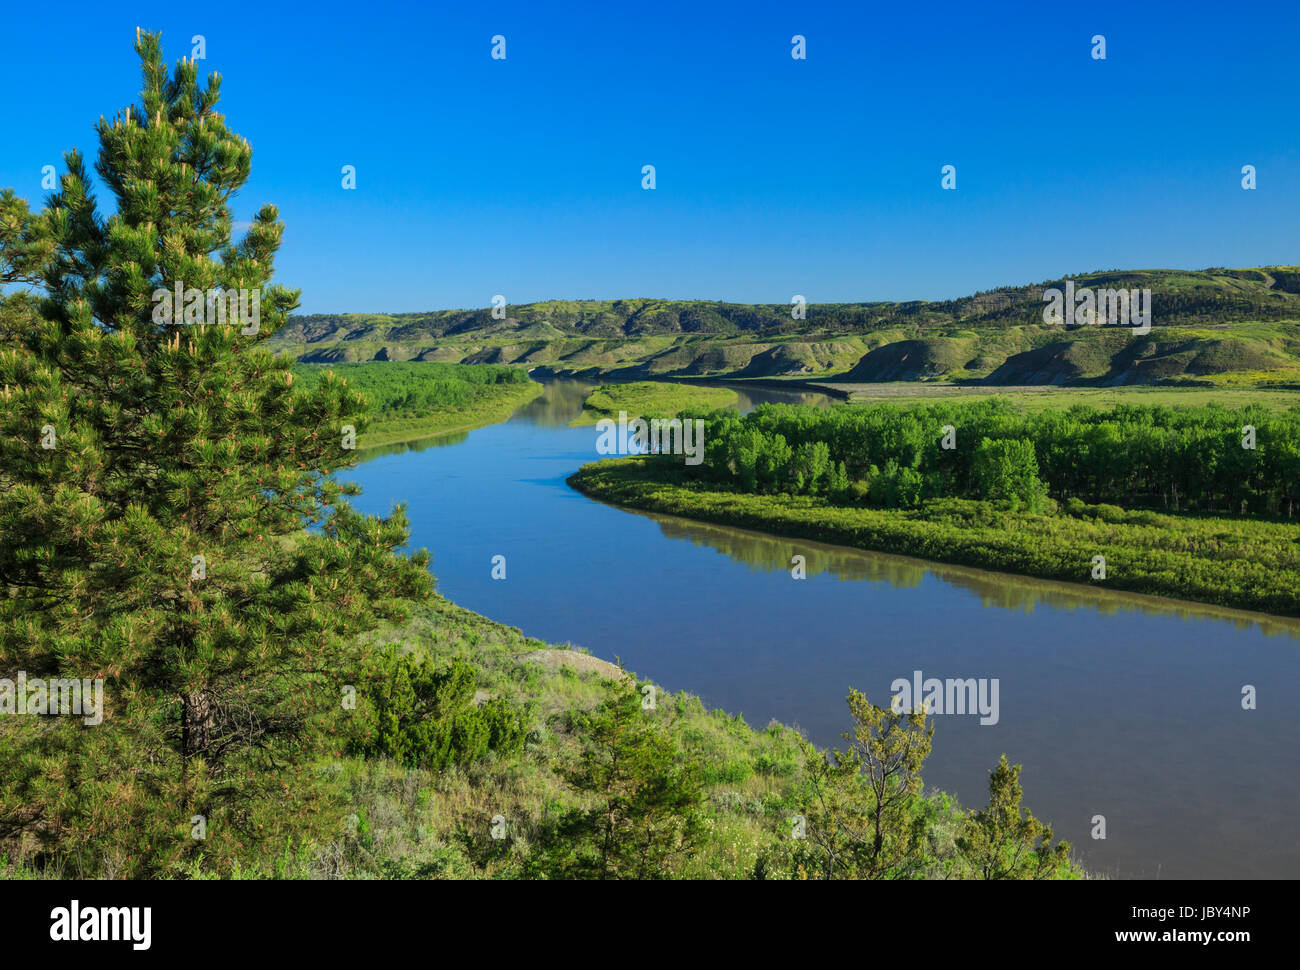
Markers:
point(645, 485)
point(500, 406)
point(772, 552)
point(747, 783)
point(284, 693)
point(651, 399)
point(1195, 503)
point(1197, 565)
point(461, 720)
point(474, 751)
point(410, 401)
point(746, 803)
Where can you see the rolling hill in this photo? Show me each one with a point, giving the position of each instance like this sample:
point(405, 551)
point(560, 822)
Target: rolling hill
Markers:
point(1215, 326)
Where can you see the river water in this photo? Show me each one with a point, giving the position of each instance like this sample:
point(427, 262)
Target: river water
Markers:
point(1118, 706)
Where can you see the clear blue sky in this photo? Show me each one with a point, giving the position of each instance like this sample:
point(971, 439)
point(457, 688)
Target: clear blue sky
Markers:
point(775, 176)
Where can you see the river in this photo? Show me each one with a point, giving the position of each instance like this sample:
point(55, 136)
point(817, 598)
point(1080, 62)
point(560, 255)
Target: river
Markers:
point(1124, 707)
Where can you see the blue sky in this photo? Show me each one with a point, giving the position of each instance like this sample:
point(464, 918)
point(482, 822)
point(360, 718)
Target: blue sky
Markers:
point(774, 176)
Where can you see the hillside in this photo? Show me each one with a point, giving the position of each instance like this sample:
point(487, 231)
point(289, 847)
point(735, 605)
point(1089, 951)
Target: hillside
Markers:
point(1214, 325)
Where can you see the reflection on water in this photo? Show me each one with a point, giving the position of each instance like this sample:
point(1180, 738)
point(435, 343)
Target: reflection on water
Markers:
point(764, 553)
point(751, 397)
point(559, 404)
point(767, 553)
point(418, 444)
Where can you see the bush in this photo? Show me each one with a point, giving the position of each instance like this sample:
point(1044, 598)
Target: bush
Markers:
point(428, 718)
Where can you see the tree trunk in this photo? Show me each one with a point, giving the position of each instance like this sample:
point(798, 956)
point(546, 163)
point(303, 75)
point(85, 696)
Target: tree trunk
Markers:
point(197, 710)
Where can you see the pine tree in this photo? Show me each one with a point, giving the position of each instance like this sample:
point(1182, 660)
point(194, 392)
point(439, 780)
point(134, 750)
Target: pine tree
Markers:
point(158, 473)
point(24, 249)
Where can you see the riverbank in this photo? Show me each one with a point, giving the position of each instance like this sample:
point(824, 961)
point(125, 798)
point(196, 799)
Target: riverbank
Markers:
point(507, 814)
point(496, 404)
point(651, 399)
point(1246, 565)
point(1038, 397)
point(753, 781)
point(410, 400)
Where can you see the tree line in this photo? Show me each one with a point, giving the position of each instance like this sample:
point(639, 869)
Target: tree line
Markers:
point(405, 388)
point(1213, 459)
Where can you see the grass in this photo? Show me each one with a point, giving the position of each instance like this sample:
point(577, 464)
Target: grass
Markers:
point(492, 404)
point(375, 818)
point(1216, 325)
point(426, 825)
point(651, 399)
point(384, 820)
point(410, 400)
point(1038, 398)
point(398, 822)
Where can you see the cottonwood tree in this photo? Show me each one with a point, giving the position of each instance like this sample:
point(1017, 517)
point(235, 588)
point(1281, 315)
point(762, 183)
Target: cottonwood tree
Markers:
point(1007, 470)
point(158, 476)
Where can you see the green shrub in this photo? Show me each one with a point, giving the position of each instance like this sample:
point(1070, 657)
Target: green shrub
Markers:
point(424, 717)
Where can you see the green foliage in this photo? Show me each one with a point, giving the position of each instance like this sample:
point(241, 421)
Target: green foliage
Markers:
point(409, 389)
point(1004, 842)
point(1007, 471)
point(651, 399)
point(862, 819)
point(1234, 562)
point(413, 400)
point(158, 484)
point(17, 315)
point(428, 718)
point(811, 466)
point(1180, 298)
point(1210, 325)
point(643, 800)
point(26, 246)
point(862, 814)
point(355, 817)
point(1176, 459)
point(895, 486)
